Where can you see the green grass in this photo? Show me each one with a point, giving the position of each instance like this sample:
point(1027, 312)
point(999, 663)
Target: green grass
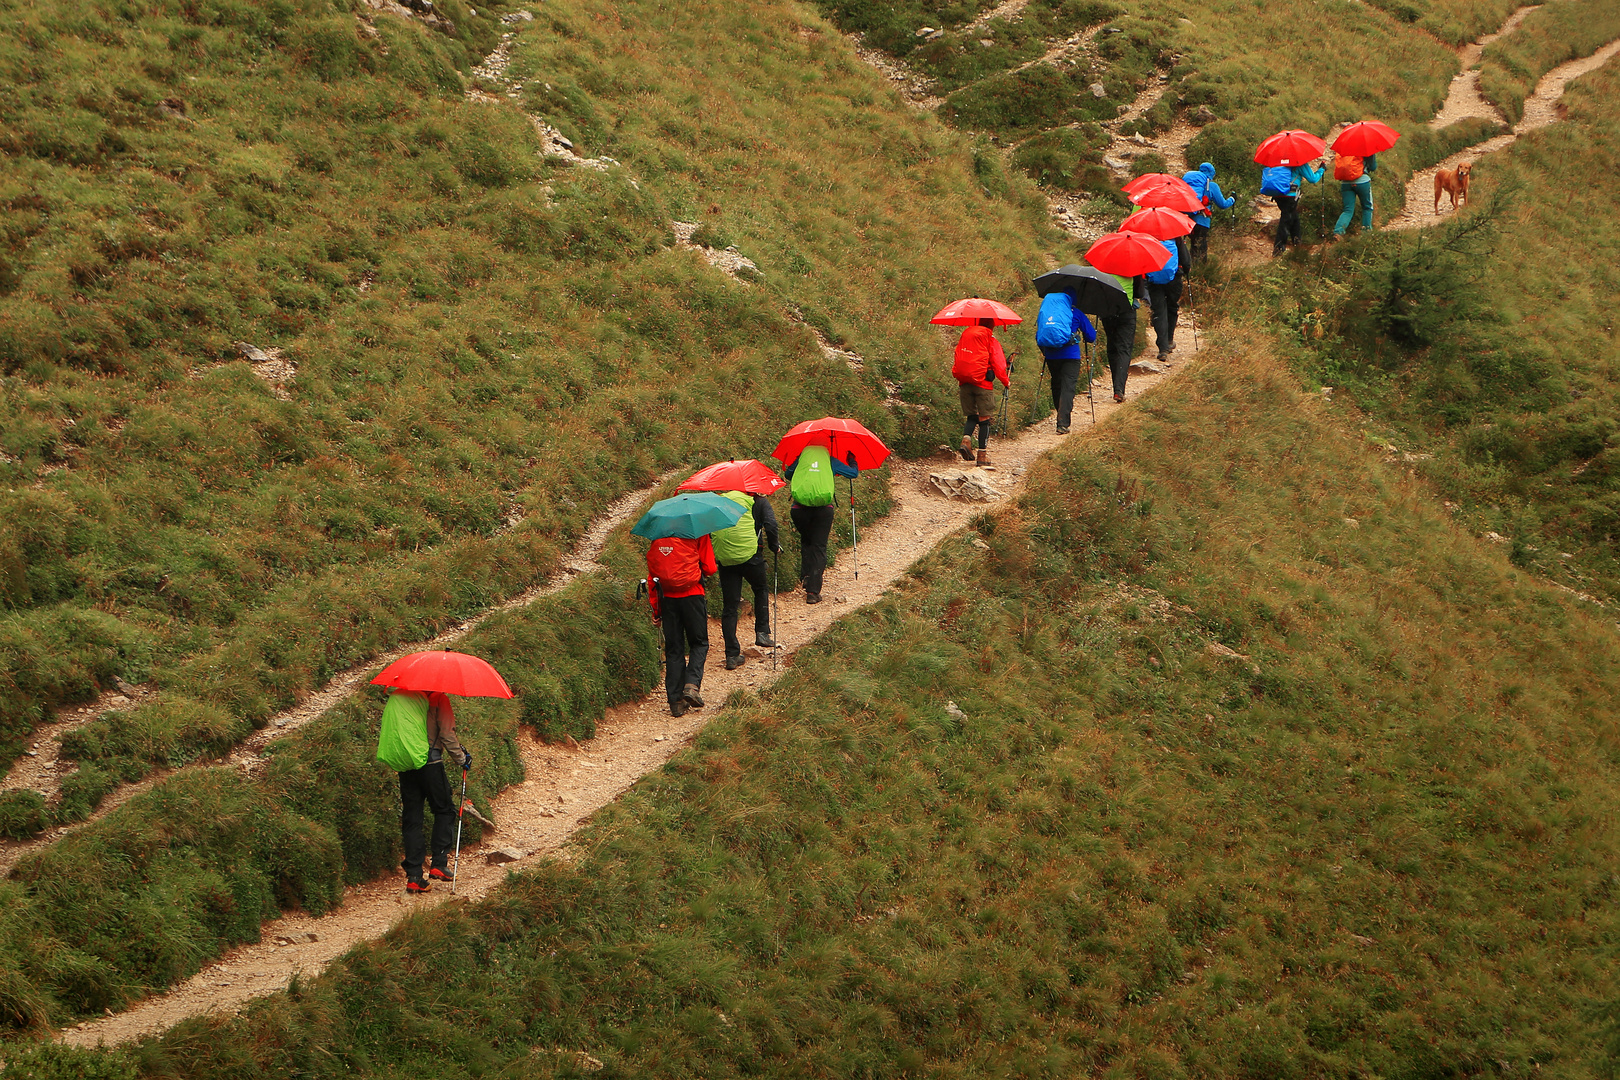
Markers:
point(1550, 35)
point(1379, 850)
point(482, 338)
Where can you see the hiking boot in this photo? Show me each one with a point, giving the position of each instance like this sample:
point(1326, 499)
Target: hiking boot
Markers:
point(1119, 399)
point(677, 707)
point(1164, 355)
point(439, 873)
point(1064, 430)
point(764, 641)
point(984, 458)
point(735, 662)
point(966, 449)
point(812, 598)
point(690, 693)
point(416, 885)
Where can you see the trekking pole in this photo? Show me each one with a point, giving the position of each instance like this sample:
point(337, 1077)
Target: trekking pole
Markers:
point(1193, 311)
point(776, 580)
point(854, 541)
point(461, 806)
point(1091, 368)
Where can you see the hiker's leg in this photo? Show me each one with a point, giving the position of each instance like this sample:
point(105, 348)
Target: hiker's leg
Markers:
point(1200, 244)
point(969, 421)
point(1159, 307)
point(1065, 376)
point(815, 526)
point(1285, 206)
point(1121, 343)
point(674, 650)
point(1172, 304)
point(753, 571)
point(694, 616)
point(411, 794)
point(731, 582)
point(1364, 195)
point(443, 803)
point(1347, 196)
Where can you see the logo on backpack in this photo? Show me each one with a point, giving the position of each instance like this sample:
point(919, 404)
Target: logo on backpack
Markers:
point(1348, 167)
point(666, 551)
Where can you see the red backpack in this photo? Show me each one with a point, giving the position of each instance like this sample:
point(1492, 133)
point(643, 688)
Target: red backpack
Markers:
point(1348, 167)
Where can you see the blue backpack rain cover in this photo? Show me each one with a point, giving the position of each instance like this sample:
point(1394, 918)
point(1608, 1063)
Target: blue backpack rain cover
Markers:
point(1166, 273)
point(1277, 180)
point(1198, 182)
point(1055, 325)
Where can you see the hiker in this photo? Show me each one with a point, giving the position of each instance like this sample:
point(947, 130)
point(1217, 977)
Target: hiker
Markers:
point(1202, 181)
point(979, 364)
point(1282, 183)
point(741, 557)
point(1059, 325)
point(1164, 296)
point(676, 567)
point(1121, 331)
point(1354, 174)
point(811, 479)
point(426, 725)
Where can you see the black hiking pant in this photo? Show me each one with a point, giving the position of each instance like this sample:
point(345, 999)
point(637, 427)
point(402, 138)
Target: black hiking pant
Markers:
point(1121, 331)
point(731, 583)
point(1065, 377)
point(686, 642)
point(1288, 230)
point(1165, 303)
point(815, 526)
point(429, 784)
point(1198, 243)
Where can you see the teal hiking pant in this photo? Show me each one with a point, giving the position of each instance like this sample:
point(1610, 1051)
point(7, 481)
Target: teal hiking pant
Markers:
point(1352, 194)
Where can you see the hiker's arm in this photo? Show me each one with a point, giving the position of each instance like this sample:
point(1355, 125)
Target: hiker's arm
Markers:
point(1084, 328)
point(765, 516)
point(706, 563)
point(442, 728)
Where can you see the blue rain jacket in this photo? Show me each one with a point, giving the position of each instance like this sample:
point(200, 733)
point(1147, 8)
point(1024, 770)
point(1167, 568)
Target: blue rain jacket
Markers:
point(1202, 181)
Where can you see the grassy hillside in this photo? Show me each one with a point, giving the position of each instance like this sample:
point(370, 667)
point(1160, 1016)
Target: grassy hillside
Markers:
point(1031, 819)
point(1490, 343)
point(489, 344)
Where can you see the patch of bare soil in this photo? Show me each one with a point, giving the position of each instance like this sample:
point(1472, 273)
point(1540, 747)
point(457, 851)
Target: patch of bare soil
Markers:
point(565, 786)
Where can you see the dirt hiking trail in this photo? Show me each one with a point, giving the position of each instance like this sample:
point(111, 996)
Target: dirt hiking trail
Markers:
point(566, 785)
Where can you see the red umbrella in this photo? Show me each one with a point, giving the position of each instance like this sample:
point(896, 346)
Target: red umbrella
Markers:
point(1289, 148)
point(1159, 222)
point(841, 437)
point(1127, 254)
point(1177, 196)
point(1152, 179)
point(968, 313)
point(446, 672)
point(1365, 138)
point(750, 476)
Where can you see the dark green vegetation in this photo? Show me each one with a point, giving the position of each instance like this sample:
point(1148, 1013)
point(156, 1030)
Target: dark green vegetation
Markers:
point(144, 897)
point(489, 346)
point(1489, 343)
point(1375, 843)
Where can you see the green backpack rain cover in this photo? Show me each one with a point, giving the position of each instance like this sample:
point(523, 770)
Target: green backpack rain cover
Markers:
point(812, 483)
point(736, 544)
point(402, 744)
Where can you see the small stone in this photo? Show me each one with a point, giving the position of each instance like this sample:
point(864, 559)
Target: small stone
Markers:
point(1352, 523)
point(502, 855)
point(954, 711)
point(1098, 90)
point(660, 738)
point(924, 31)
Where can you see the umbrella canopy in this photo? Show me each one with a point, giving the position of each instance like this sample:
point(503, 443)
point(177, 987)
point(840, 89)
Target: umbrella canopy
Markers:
point(842, 438)
point(1094, 292)
point(1365, 138)
point(445, 672)
point(1159, 222)
point(751, 476)
point(1127, 254)
point(1176, 196)
point(1289, 148)
point(1152, 179)
point(968, 313)
point(689, 515)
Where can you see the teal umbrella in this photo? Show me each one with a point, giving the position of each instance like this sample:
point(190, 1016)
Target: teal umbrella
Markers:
point(690, 514)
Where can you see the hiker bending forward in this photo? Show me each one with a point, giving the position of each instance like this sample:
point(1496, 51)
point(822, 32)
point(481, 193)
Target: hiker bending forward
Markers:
point(418, 734)
point(979, 365)
point(811, 483)
point(675, 571)
point(742, 558)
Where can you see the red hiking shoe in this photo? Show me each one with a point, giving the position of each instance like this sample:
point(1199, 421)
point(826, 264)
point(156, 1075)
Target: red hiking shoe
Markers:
point(439, 873)
point(416, 885)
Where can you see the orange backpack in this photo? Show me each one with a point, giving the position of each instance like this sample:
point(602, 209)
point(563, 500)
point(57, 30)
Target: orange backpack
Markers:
point(1348, 167)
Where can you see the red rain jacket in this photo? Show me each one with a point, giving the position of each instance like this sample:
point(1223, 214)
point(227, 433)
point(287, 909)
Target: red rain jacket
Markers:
point(675, 567)
point(978, 358)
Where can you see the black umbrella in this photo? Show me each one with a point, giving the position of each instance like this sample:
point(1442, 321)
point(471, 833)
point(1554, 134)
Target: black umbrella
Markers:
point(1094, 292)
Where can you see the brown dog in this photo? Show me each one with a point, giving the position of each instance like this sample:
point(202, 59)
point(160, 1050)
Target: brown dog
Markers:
point(1454, 181)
